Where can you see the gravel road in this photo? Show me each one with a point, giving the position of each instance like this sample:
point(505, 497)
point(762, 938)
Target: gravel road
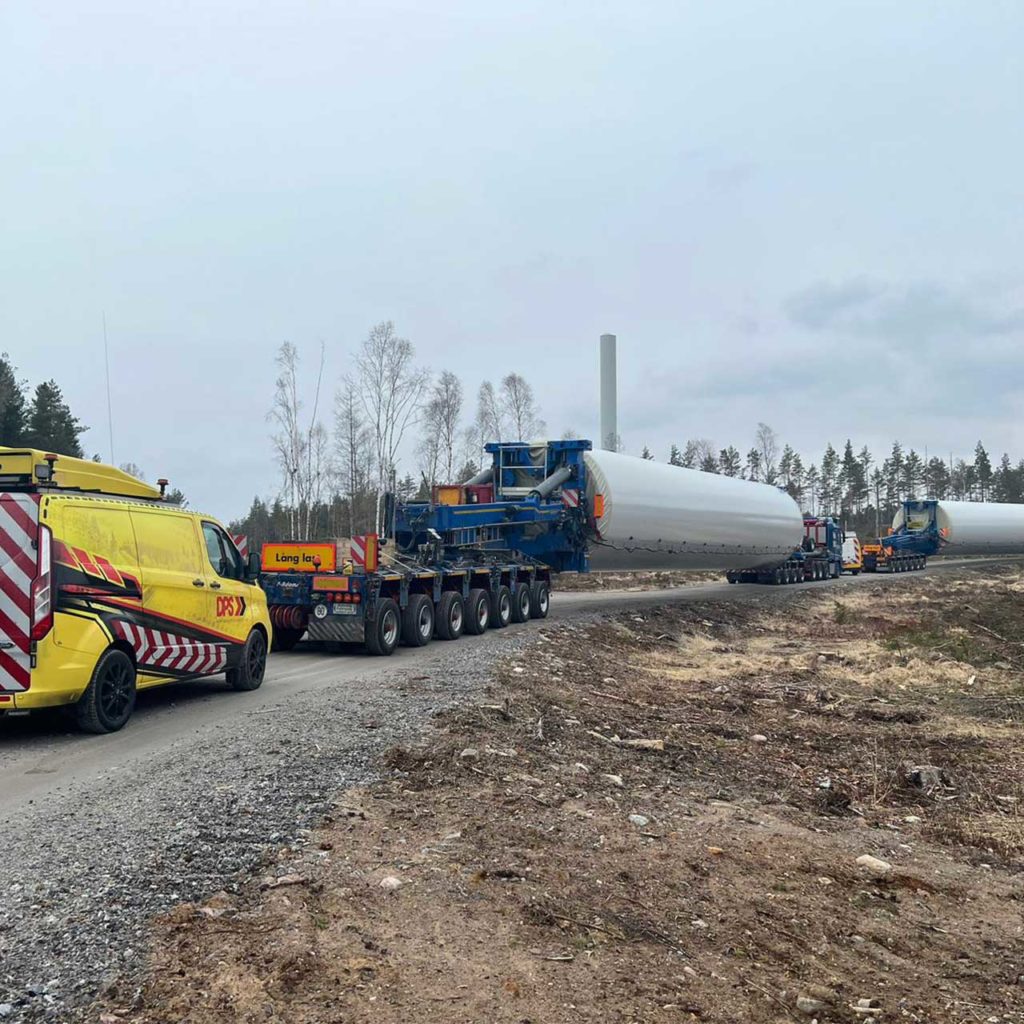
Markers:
point(100, 834)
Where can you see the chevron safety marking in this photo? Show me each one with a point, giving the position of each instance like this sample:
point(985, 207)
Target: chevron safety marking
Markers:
point(155, 649)
point(19, 517)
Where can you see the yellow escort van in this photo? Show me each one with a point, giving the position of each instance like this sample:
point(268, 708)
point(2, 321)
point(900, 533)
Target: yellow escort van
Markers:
point(105, 589)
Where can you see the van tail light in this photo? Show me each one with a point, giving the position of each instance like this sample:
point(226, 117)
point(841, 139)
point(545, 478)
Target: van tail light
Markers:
point(42, 587)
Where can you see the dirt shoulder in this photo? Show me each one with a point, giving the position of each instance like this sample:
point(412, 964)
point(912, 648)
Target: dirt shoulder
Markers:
point(591, 581)
point(660, 818)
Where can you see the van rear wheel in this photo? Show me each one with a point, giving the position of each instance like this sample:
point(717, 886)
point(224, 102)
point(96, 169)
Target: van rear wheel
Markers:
point(248, 673)
point(109, 699)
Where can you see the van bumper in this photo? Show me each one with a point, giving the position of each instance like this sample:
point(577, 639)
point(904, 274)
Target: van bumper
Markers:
point(58, 676)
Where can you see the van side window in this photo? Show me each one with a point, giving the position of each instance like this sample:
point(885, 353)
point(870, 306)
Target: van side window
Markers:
point(166, 541)
point(224, 556)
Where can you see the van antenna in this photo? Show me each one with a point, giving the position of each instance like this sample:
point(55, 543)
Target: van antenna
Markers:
point(110, 413)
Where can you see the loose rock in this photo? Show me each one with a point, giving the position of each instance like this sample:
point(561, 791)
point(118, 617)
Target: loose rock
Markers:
point(875, 867)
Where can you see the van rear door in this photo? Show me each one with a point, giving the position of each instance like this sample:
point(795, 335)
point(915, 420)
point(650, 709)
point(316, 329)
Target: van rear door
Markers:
point(19, 529)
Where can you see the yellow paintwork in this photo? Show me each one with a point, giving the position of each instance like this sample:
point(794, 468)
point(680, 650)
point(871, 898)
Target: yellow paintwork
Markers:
point(23, 465)
point(178, 589)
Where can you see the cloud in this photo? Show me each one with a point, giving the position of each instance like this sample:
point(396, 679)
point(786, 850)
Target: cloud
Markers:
point(922, 311)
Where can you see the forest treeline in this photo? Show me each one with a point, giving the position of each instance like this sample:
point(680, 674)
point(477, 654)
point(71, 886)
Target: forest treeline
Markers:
point(333, 473)
point(337, 460)
point(38, 417)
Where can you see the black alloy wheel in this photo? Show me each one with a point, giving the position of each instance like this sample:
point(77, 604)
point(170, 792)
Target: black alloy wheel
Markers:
point(109, 699)
point(252, 664)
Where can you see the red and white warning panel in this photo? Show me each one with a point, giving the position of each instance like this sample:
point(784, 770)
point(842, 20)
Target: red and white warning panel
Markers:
point(19, 587)
point(167, 653)
point(242, 543)
point(570, 497)
point(366, 551)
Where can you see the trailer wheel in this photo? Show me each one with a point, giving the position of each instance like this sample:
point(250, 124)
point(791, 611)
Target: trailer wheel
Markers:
point(451, 616)
point(384, 631)
point(478, 611)
point(521, 603)
point(540, 600)
point(109, 699)
point(418, 621)
point(501, 607)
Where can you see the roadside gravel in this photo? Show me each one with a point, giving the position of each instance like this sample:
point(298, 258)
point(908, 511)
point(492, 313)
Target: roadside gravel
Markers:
point(83, 873)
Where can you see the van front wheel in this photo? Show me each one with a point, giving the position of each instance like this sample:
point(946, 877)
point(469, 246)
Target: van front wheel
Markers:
point(248, 673)
point(109, 699)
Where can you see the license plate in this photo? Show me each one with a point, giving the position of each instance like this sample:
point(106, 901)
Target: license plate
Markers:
point(344, 609)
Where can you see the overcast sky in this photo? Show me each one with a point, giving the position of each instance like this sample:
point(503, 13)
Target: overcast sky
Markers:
point(806, 213)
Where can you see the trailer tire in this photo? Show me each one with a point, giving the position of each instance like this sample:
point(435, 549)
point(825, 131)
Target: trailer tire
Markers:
point(501, 607)
point(478, 611)
point(286, 639)
point(252, 664)
point(418, 621)
point(109, 699)
point(540, 600)
point(383, 632)
point(451, 616)
point(521, 603)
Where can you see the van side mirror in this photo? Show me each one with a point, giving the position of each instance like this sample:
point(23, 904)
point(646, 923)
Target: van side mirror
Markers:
point(253, 567)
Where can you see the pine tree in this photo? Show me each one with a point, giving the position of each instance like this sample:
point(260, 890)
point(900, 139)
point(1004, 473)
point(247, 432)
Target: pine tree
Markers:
point(729, 462)
point(646, 454)
point(893, 470)
point(1004, 487)
point(913, 474)
point(877, 486)
point(812, 485)
point(829, 487)
point(936, 478)
point(786, 466)
point(854, 486)
point(753, 465)
point(12, 405)
point(962, 481)
point(675, 456)
point(709, 464)
point(982, 470)
point(51, 426)
point(797, 484)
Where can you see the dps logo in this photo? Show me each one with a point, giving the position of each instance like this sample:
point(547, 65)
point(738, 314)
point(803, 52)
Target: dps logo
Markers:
point(230, 606)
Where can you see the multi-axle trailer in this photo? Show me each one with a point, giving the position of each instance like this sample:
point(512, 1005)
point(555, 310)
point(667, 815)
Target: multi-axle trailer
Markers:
point(482, 554)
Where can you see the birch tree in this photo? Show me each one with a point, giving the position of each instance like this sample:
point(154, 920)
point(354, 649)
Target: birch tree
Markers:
point(353, 447)
point(390, 388)
point(520, 407)
point(290, 441)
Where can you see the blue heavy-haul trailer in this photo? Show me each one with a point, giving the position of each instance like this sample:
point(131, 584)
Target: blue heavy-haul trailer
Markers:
point(481, 562)
point(480, 556)
point(819, 557)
